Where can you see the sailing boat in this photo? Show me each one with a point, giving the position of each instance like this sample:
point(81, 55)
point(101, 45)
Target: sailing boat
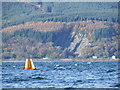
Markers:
point(29, 65)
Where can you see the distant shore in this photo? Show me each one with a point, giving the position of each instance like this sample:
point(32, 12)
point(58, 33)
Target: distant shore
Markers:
point(59, 60)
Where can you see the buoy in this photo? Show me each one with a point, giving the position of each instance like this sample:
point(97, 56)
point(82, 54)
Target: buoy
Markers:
point(29, 65)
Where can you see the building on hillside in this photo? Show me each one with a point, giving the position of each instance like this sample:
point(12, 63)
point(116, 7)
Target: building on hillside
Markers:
point(94, 57)
point(113, 57)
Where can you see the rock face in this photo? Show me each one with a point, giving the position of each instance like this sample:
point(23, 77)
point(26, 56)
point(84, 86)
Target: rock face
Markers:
point(84, 42)
point(78, 43)
point(60, 39)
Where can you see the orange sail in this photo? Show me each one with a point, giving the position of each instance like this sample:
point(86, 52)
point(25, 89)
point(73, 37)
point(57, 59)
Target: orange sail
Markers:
point(29, 65)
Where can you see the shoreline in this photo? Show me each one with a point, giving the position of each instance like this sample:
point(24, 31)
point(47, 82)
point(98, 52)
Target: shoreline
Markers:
point(63, 60)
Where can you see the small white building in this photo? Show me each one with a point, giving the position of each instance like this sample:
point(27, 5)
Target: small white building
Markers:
point(113, 57)
point(94, 57)
point(45, 58)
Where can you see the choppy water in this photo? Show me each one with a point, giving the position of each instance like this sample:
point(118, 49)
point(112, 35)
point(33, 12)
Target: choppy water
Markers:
point(61, 75)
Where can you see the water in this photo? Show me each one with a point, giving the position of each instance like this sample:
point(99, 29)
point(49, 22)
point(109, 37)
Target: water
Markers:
point(61, 75)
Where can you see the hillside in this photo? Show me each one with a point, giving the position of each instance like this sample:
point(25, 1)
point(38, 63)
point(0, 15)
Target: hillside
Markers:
point(15, 13)
point(60, 30)
point(81, 39)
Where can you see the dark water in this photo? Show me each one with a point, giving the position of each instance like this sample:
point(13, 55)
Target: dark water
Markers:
point(61, 75)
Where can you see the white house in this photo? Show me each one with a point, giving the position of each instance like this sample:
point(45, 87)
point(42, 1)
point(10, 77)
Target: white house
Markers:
point(45, 58)
point(113, 57)
point(94, 57)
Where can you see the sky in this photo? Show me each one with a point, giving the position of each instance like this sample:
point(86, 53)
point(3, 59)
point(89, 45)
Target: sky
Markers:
point(61, 0)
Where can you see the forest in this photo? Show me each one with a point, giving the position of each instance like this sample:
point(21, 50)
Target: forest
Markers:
point(14, 13)
point(62, 30)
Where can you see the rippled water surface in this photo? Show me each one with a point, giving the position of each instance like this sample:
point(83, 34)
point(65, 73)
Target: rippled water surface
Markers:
point(61, 75)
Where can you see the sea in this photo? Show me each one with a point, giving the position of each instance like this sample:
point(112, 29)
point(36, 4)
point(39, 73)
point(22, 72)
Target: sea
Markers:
point(97, 74)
